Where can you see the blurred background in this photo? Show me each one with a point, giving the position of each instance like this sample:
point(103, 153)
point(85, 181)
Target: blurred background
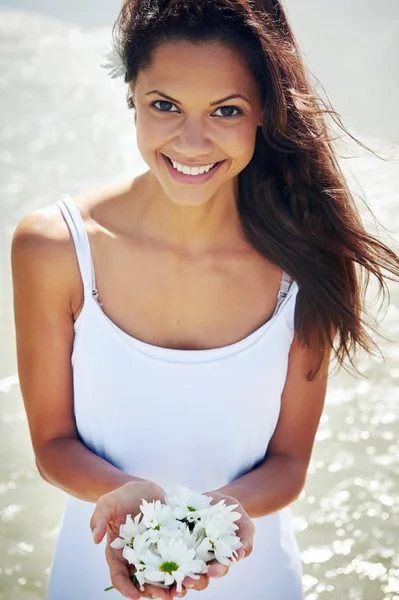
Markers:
point(64, 128)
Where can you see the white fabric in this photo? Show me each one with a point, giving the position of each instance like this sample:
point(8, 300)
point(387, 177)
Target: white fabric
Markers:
point(199, 418)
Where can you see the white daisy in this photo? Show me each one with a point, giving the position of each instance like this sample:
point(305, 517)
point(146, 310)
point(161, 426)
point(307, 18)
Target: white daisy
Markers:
point(175, 562)
point(187, 504)
point(135, 552)
point(204, 550)
point(129, 531)
point(156, 514)
point(223, 540)
point(115, 64)
point(178, 539)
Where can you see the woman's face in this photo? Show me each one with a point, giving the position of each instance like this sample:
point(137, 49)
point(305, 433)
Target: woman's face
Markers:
point(197, 106)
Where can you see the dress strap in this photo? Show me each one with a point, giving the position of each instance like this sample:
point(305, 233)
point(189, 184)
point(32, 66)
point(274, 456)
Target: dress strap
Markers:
point(80, 238)
point(285, 285)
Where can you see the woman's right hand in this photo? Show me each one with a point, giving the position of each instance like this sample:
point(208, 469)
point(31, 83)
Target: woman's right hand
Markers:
point(109, 514)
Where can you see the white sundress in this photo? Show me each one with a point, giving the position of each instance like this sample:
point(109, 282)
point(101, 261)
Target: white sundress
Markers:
point(199, 418)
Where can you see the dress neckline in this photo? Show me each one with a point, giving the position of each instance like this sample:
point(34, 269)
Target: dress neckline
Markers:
point(177, 355)
point(91, 304)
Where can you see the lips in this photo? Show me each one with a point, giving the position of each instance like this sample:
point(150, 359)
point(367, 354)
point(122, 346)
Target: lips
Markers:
point(192, 165)
point(191, 179)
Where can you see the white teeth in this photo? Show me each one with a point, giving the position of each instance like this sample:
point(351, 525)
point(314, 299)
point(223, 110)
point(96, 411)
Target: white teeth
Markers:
point(191, 171)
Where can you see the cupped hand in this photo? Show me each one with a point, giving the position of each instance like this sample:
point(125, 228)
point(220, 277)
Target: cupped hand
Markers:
point(245, 531)
point(109, 514)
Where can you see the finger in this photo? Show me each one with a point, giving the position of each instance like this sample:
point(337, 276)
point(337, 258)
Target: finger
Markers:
point(196, 584)
point(189, 583)
point(175, 594)
point(153, 591)
point(117, 563)
point(120, 576)
point(202, 583)
point(217, 570)
point(246, 534)
point(167, 593)
point(124, 585)
point(247, 544)
point(103, 512)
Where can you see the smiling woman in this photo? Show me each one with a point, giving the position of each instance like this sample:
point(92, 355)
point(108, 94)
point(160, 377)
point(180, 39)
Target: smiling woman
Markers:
point(181, 323)
point(193, 121)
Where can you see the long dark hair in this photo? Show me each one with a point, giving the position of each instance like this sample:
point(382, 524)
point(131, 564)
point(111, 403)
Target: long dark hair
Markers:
point(294, 203)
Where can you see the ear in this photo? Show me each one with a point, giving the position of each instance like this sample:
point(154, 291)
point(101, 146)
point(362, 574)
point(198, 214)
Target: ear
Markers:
point(131, 85)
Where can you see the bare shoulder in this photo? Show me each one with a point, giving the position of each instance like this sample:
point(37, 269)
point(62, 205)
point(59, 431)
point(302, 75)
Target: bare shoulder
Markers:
point(44, 258)
point(42, 250)
point(41, 231)
point(45, 230)
point(42, 241)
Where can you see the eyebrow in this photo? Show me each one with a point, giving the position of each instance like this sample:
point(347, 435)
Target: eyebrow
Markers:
point(231, 97)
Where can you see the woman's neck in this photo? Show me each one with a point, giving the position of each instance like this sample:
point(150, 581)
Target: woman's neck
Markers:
point(192, 228)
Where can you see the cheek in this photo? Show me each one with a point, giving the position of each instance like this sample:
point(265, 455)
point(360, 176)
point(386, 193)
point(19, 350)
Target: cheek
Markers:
point(240, 142)
point(151, 132)
point(147, 133)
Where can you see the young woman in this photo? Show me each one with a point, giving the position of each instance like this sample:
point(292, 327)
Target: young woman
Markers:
point(181, 325)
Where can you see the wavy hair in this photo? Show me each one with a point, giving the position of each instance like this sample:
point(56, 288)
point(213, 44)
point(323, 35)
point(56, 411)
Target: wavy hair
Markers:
point(294, 203)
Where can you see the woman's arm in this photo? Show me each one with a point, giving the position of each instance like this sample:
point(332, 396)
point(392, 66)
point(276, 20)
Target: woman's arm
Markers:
point(280, 478)
point(68, 464)
point(47, 292)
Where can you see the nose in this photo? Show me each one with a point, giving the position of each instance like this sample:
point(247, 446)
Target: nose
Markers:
point(192, 140)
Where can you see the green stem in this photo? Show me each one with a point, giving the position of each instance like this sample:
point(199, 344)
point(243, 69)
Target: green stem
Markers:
point(133, 579)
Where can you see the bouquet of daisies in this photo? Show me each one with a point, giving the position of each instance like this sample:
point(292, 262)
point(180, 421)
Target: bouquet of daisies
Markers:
point(171, 541)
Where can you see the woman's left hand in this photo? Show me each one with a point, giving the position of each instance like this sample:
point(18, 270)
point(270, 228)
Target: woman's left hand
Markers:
point(245, 532)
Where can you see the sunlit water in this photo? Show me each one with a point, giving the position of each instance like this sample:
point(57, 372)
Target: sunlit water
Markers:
point(64, 128)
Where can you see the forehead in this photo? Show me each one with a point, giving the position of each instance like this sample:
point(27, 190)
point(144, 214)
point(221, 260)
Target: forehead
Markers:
point(183, 68)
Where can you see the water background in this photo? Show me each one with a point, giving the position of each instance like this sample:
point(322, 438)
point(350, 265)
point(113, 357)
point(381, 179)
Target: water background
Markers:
point(64, 128)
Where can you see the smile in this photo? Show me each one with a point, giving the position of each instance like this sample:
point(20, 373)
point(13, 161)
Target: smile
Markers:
point(191, 170)
point(188, 174)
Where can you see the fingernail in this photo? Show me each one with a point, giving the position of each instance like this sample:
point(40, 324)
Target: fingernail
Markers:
point(95, 531)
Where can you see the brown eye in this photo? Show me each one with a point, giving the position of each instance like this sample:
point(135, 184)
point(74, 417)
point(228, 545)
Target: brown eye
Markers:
point(164, 106)
point(227, 111)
